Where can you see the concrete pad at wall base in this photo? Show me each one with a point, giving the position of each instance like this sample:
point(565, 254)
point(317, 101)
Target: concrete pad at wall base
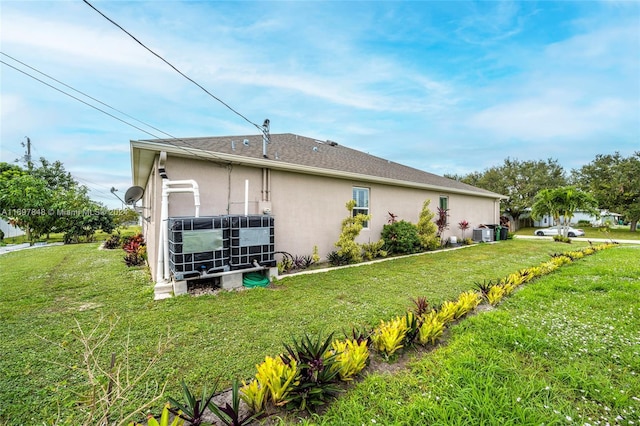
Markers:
point(179, 288)
point(273, 273)
point(162, 290)
point(228, 281)
point(231, 281)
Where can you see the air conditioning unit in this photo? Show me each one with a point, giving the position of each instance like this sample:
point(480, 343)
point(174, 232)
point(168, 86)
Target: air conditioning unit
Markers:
point(482, 235)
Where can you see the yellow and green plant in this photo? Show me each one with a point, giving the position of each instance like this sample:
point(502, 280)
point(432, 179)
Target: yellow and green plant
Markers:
point(277, 376)
point(389, 336)
point(164, 419)
point(431, 329)
point(447, 311)
point(575, 254)
point(467, 302)
point(352, 357)
point(495, 294)
point(254, 395)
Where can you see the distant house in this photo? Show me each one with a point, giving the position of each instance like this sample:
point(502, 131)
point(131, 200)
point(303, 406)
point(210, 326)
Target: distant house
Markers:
point(302, 182)
point(10, 230)
point(605, 217)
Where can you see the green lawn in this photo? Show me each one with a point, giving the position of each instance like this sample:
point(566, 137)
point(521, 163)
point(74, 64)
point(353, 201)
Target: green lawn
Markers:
point(44, 291)
point(563, 350)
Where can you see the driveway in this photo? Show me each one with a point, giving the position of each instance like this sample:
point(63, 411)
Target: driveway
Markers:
point(24, 246)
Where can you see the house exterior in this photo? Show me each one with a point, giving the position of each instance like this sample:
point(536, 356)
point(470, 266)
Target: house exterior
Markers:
point(302, 182)
point(10, 230)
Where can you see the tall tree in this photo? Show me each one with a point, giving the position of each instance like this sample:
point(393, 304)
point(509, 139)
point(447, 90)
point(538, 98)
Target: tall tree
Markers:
point(55, 175)
point(25, 200)
point(47, 198)
point(520, 181)
point(615, 182)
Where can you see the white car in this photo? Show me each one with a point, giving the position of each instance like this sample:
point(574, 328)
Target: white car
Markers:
point(571, 232)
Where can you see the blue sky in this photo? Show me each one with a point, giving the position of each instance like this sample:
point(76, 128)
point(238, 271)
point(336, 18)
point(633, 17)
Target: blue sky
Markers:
point(446, 87)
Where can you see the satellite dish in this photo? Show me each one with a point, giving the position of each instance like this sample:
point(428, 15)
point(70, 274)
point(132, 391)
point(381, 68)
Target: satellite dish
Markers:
point(133, 194)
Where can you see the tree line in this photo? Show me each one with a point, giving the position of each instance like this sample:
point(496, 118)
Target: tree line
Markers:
point(612, 180)
point(45, 198)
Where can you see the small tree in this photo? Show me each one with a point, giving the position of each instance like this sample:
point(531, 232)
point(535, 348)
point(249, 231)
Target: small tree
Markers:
point(348, 249)
point(426, 228)
point(463, 225)
point(562, 203)
point(442, 221)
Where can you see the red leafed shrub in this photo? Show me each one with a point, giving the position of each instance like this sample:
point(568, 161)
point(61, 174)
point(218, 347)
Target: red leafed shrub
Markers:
point(136, 250)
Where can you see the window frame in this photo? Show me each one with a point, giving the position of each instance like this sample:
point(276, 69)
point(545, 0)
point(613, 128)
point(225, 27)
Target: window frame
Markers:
point(444, 198)
point(362, 209)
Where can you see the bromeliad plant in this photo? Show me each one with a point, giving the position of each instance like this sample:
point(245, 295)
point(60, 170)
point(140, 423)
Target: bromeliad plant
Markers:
point(447, 311)
point(412, 323)
point(352, 356)
point(164, 419)
point(315, 382)
point(495, 294)
point(277, 376)
point(192, 409)
point(420, 306)
point(230, 414)
point(389, 336)
point(467, 302)
point(431, 328)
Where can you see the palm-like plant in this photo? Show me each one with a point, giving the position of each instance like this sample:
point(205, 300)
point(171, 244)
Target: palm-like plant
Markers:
point(463, 225)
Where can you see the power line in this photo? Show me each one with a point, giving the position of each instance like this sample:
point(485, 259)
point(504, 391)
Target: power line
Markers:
point(105, 112)
point(78, 99)
point(84, 94)
point(174, 68)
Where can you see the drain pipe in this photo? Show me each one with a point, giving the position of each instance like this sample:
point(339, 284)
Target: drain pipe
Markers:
point(246, 197)
point(162, 271)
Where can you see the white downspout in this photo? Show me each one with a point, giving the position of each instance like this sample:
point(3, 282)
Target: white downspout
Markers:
point(246, 197)
point(162, 272)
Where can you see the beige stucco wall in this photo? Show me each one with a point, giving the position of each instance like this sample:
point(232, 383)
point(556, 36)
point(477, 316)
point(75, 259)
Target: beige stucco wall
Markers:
point(308, 209)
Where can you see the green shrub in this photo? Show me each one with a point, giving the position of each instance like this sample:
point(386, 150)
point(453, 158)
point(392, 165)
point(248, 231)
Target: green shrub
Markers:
point(401, 237)
point(427, 230)
point(113, 242)
point(561, 239)
point(348, 249)
point(372, 251)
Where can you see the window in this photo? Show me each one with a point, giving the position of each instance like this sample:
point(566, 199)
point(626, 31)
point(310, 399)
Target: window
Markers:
point(361, 197)
point(444, 205)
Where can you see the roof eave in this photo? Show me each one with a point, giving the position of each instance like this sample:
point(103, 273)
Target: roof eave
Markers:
point(141, 170)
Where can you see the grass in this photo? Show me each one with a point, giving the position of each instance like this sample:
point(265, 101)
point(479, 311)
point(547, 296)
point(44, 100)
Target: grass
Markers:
point(46, 290)
point(617, 233)
point(564, 349)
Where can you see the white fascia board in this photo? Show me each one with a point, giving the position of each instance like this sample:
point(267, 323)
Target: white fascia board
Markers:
point(310, 170)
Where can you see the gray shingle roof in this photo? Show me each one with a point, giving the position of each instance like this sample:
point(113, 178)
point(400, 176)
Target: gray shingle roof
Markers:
point(303, 151)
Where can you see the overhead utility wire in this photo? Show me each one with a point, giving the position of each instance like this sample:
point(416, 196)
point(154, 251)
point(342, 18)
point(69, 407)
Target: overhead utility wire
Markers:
point(78, 99)
point(107, 113)
point(84, 94)
point(172, 66)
